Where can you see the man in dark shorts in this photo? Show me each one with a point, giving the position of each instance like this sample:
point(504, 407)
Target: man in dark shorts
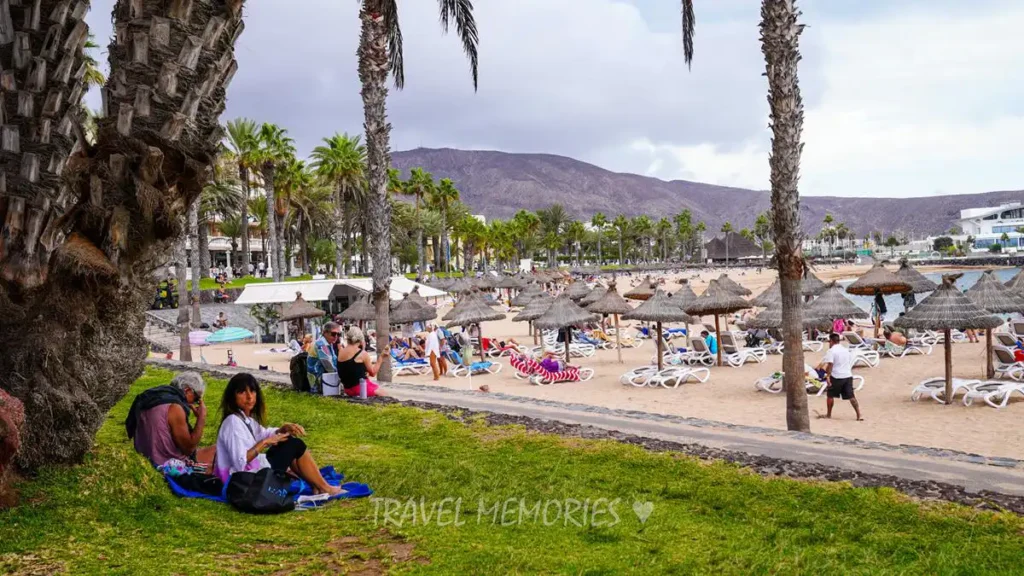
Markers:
point(838, 366)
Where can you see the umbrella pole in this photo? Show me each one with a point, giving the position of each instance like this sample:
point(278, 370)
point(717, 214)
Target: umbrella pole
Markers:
point(660, 350)
point(568, 337)
point(718, 338)
point(948, 345)
point(618, 339)
point(990, 371)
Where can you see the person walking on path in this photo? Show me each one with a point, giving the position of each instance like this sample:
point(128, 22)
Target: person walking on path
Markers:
point(838, 367)
point(438, 365)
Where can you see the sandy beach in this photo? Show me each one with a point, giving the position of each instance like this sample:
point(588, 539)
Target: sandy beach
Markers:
point(729, 395)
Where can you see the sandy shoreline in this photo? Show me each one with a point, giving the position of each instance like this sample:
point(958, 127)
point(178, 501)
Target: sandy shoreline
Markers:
point(729, 395)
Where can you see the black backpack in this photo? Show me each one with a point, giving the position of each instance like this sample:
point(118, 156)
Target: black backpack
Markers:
point(297, 370)
point(262, 492)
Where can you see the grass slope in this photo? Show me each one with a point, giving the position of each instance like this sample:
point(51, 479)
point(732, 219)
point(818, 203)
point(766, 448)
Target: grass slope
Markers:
point(114, 515)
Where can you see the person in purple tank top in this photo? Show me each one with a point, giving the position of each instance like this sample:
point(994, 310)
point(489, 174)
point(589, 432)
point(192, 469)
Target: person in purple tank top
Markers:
point(158, 422)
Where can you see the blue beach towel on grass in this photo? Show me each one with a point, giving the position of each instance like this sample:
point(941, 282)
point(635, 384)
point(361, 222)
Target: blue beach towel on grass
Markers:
point(297, 488)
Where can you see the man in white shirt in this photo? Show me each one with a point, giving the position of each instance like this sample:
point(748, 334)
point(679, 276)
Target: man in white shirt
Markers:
point(432, 350)
point(838, 366)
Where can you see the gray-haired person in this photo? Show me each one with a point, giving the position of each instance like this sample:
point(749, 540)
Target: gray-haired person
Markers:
point(158, 421)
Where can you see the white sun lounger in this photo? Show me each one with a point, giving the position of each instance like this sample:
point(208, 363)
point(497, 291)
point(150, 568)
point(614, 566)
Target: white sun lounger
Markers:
point(935, 388)
point(995, 393)
point(737, 356)
point(638, 376)
point(1005, 364)
point(673, 377)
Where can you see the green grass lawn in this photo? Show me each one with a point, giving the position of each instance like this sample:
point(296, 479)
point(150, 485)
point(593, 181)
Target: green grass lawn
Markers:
point(211, 284)
point(114, 515)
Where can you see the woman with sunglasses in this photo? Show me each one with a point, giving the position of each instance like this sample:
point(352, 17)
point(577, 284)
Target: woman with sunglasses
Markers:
point(354, 364)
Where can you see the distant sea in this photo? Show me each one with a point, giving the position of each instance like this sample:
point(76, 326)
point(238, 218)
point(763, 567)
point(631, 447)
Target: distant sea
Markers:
point(894, 303)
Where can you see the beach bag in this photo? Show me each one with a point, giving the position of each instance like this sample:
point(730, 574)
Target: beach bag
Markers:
point(331, 385)
point(262, 492)
point(297, 372)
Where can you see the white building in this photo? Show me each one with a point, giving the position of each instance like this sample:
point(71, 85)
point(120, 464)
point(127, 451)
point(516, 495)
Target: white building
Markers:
point(988, 225)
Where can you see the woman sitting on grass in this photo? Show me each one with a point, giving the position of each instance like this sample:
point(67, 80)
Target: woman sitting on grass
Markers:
point(243, 444)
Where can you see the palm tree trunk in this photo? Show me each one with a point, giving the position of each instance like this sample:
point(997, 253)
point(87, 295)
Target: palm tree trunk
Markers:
point(346, 226)
point(205, 260)
point(620, 248)
point(243, 175)
point(339, 232)
point(193, 240)
point(780, 44)
point(304, 244)
point(364, 259)
point(600, 254)
point(185, 348)
point(268, 189)
point(373, 74)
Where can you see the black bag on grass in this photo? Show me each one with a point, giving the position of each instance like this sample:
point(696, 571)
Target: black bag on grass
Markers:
point(297, 372)
point(262, 492)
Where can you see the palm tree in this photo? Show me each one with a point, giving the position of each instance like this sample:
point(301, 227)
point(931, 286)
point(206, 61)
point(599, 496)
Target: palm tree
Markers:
point(275, 149)
point(576, 232)
point(599, 221)
point(223, 197)
point(442, 197)
point(232, 228)
point(80, 233)
point(780, 36)
point(685, 232)
point(663, 227)
point(380, 53)
point(243, 144)
point(526, 226)
point(341, 160)
point(312, 207)
point(621, 225)
point(180, 262)
point(93, 76)
point(553, 221)
point(193, 240)
point(260, 216)
point(726, 230)
point(292, 178)
point(762, 232)
point(643, 228)
point(419, 186)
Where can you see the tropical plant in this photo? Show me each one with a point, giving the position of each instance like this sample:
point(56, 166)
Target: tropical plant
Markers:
point(663, 227)
point(726, 231)
point(243, 145)
point(275, 149)
point(231, 227)
point(763, 232)
point(341, 161)
point(686, 232)
point(621, 226)
point(553, 221)
point(259, 216)
point(780, 44)
point(599, 221)
point(442, 198)
point(83, 233)
point(576, 232)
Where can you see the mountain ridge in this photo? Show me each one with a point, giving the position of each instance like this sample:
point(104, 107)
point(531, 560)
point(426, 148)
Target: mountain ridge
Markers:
point(496, 184)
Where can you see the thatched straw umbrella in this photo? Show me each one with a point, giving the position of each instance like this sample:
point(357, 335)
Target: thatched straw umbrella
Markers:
point(485, 282)
point(771, 296)
point(563, 313)
point(612, 303)
point(771, 318)
point(578, 290)
point(534, 309)
point(510, 283)
point(731, 285)
point(682, 298)
point(459, 286)
point(594, 295)
point(989, 294)
point(1017, 283)
point(300, 310)
point(359, 311)
point(408, 311)
point(643, 291)
point(832, 304)
point(472, 310)
point(716, 300)
point(878, 280)
point(918, 283)
point(658, 308)
point(811, 285)
point(418, 299)
point(947, 309)
point(527, 294)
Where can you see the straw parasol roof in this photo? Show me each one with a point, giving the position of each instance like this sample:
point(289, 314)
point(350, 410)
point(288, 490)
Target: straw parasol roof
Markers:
point(918, 283)
point(578, 290)
point(509, 282)
point(716, 299)
point(659, 308)
point(459, 286)
point(878, 279)
point(772, 296)
point(418, 299)
point(527, 294)
point(610, 302)
point(643, 291)
point(595, 293)
point(771, 317)
point(833, 304)
point(563, 312)
point(300, 310)
point(472, 310)
point(811, 285)
point(535, 308)
point(486, 282)
point(440, 283)
point(990, 294)
point(684, 295)
point(408, 311)
point(1017, 283)
point(947, 309)
point(359, 311)
point(730, 285)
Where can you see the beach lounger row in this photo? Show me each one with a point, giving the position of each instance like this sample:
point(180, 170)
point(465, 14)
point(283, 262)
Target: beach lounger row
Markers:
point(667, 378)
point(995, 393)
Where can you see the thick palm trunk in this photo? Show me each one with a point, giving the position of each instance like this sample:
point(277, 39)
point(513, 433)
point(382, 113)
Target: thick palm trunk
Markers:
point(83, 233)
point(600, 255)
point(243, 175)
point(364, 245)
point(780, 45)
point(373, 74)
point(421, 242)
point(339, 232)
point(205, 259)
point(193, 240)
point(304, 245)
point(185, 347)
point(620, 249)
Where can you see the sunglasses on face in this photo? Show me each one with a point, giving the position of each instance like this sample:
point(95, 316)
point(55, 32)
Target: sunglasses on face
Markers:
point(335, 334)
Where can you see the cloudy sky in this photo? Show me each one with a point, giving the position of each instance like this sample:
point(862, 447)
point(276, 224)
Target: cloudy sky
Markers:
point(906, 98)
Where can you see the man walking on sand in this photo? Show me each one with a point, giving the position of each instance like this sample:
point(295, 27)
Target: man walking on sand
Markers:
point(838, 366)
point(432, 350)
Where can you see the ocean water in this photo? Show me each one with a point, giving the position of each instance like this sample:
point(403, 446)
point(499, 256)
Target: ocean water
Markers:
point(894, 303)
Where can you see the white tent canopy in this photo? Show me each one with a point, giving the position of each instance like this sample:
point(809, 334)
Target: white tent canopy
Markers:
point(320, 290)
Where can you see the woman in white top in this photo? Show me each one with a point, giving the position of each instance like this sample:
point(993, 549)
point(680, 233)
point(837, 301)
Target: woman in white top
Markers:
point(244, 444)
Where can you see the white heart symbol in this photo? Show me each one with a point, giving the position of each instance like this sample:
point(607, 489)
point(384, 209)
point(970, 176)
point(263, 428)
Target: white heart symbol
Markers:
point(643, 510)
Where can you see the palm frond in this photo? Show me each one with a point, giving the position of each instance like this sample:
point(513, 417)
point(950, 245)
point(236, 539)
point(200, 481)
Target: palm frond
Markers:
point(689, 22)
point(461, 13)
point(396, 62)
